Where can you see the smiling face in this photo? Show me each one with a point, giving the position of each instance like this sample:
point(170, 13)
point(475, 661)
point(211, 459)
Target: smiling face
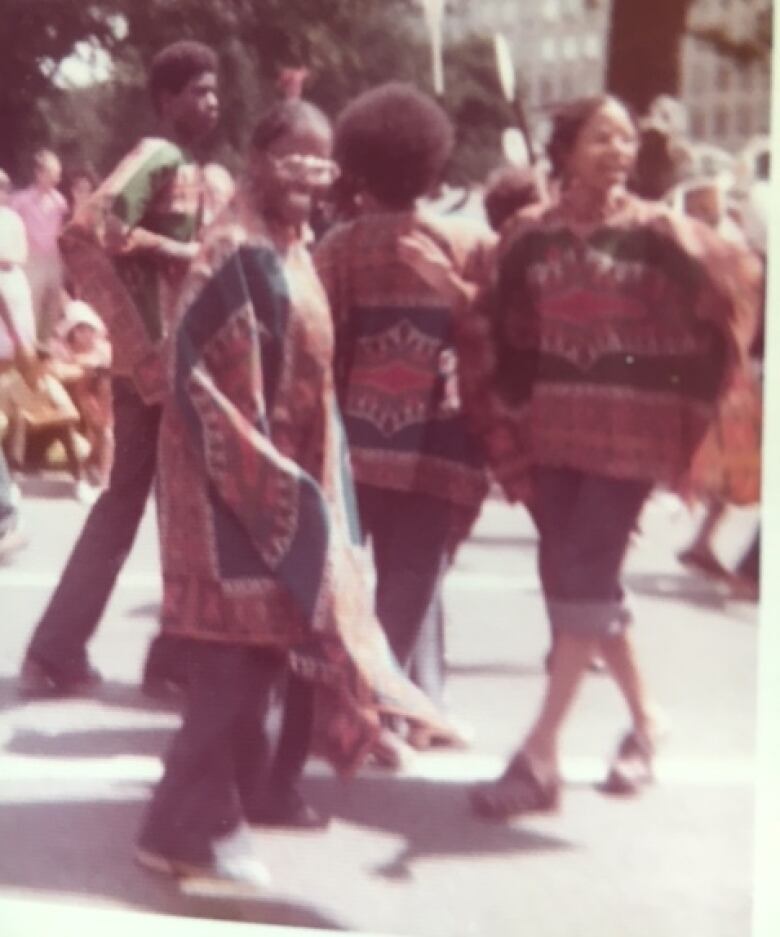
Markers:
point(194, 111)
point(295, 168)
point(605, 149)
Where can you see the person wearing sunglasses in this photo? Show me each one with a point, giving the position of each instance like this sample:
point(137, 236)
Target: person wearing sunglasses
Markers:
point(261, 560)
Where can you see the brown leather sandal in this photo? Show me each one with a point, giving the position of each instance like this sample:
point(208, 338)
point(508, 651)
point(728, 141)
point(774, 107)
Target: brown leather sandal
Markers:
point(516, 792)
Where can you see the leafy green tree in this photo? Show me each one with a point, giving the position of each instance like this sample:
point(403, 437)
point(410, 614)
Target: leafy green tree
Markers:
point(36, 36)
point(346, 46)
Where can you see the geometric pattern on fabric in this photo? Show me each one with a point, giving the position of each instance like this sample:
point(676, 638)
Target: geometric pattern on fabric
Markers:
point(607, 349)
point(258, 536)
point(396, 364)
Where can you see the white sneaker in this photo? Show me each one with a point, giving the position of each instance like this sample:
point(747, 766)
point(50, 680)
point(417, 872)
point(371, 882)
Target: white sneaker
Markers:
point(236, 871)
point(237, 867)
point(85, 493)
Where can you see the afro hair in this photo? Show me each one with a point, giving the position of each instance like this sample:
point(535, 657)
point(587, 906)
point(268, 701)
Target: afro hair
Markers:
point(176, 65)
point(395, 141)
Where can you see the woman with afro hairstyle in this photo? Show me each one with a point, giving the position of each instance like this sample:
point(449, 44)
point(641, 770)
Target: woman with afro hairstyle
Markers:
point(419, 471)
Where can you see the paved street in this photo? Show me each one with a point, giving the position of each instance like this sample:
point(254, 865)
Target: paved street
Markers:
point(403, 856)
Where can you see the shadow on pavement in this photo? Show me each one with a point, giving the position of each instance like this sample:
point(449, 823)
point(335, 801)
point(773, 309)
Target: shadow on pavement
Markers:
point(85, 849)
point(495, 668)
point(46, 485)
point(432, 817)
point(502, 540)
point(108, 693)
point(697, 590)
point(149, 610)
point(91, 743)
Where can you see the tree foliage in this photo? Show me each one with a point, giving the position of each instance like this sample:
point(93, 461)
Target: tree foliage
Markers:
point(347, 45)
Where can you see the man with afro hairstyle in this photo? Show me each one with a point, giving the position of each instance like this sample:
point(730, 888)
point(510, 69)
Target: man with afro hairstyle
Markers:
point(127, 251)
point(419, 471)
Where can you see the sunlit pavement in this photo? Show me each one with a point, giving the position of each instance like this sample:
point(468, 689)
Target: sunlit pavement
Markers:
point(403, 856)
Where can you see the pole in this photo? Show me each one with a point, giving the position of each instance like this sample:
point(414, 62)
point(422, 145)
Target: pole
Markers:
point(434, 19)
point(507, 77)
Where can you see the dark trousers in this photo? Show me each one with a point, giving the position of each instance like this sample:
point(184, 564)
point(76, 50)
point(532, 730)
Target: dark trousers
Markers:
point(294, 739)
point(77, 605)
point(216, 767)
point(410, 534)
point(585, 523)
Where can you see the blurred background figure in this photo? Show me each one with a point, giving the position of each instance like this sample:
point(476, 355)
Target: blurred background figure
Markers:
point(81, 359)
point(17, 338)
point(726, 473)
point(664, 155)
point(80, 184)
point(507, 190)
point(43, 209)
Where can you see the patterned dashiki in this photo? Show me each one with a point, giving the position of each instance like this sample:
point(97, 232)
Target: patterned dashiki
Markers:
point(157, 189)
point(257, 519)
point(396, 367)
point(604, 349)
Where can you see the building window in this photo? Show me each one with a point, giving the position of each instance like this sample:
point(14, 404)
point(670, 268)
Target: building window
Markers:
point(591, 46)
point(698, 123)
point(569, 48)
point(722, 124)
point(567, 86)
point(552, 10)
point(698, 78)
point(546, 91)
point(723, 77)
point(548, 49)
point(744, 121)
point(746, 77)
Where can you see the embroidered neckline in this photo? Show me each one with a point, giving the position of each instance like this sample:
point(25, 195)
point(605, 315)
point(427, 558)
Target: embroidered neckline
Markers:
point(575, 208)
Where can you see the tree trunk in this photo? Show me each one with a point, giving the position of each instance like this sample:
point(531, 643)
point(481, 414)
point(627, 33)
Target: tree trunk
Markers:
point(643, 57)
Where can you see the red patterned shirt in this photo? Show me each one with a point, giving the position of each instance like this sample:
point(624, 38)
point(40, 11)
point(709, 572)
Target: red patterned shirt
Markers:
point(396, 367)
point(604, 349)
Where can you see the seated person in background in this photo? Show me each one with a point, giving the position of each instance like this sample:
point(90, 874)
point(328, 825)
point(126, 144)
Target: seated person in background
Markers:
point(81, 359)
point(41, 413)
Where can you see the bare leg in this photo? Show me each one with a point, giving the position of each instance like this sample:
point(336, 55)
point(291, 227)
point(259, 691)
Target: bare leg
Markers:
point(619, 653)
point(531, 780)
point(571, 659)
point(700, 552)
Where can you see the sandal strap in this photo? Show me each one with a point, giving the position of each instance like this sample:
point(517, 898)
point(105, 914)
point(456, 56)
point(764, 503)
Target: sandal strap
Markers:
point(518, 790)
